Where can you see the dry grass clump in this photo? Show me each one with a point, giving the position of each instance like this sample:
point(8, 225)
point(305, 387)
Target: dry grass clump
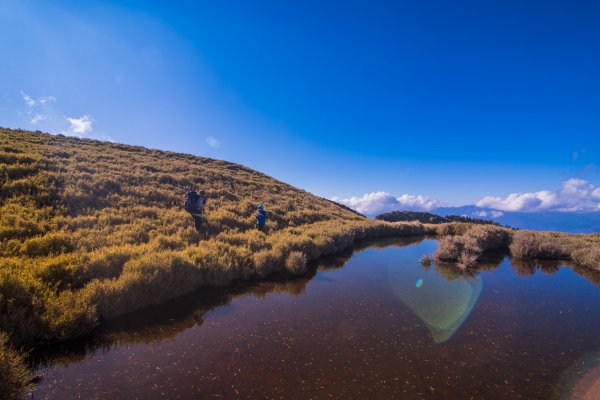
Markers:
point(450, 228)
point(580, 250)
point(527, 248)
point(425, 260)
point(468, 259)
point(296, 263)
point(15, 378)
point(528, 245)
point(587, 256)
point(465, 250)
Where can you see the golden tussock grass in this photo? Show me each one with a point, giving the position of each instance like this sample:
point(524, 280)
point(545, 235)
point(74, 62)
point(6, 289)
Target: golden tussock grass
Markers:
point(92, 230)
point(15, 378)
point(525, 247)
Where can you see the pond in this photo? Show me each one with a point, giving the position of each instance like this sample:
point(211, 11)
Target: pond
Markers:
point(368, 324)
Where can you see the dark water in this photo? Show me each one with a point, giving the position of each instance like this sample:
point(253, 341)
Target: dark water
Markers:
point(372, 325)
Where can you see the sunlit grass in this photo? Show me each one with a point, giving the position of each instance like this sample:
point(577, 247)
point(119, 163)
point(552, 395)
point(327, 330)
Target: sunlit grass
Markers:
point(464, 247)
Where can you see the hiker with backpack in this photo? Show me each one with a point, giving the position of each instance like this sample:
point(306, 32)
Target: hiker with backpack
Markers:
point(261, 218)
point(194, 204)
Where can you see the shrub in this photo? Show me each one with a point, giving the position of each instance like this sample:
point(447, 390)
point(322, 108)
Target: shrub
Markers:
point(49, 244)
point(468, 259)
point(21, 303)
point(296, 263)
point(425, 260)
point(466, 249)
point(528, 245)
point(451, 228)
point(108, 263)
point(62, 272)
point(70, 315)
point(449, 249)
point(264, 263)
point(23, 220)
point(15, 378)
point(149, 279)
point(588, 257)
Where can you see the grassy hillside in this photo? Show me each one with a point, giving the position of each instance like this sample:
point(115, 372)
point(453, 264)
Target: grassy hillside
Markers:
point(90, 230)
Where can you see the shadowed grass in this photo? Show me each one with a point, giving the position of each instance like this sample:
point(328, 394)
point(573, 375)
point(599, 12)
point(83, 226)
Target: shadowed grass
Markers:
point(15, 378)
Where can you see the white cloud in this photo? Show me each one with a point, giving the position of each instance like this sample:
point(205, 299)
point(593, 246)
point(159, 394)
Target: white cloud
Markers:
point(379, 202)
point(574, 195)
point(47, 99)
point(39, 109)
point(213, 142)
point(28, 99)
point(488, 214)
point(36, 118)
point(79, 126)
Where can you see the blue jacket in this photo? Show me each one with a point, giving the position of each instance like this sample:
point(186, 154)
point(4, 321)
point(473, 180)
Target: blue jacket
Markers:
point(261, 217)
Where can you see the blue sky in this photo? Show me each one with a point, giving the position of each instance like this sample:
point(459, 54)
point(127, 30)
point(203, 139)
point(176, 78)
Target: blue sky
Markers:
point(453, 101)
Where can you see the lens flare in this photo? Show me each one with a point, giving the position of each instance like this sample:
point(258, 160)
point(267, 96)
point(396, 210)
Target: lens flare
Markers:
point(442, 304)
point(582, 380)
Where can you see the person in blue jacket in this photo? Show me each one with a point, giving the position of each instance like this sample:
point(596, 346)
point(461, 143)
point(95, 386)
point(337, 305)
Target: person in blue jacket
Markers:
point(261, 218)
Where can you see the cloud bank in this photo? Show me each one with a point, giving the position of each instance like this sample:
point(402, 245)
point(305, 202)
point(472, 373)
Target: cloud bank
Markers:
point(379, 202)
point(574, 195)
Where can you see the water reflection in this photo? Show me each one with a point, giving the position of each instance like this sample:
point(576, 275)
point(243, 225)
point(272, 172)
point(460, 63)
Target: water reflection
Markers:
point(161, 322)
point(167, 320)
point(443, 299)
point(589, 274)
point(529, 267)
point(370, 330)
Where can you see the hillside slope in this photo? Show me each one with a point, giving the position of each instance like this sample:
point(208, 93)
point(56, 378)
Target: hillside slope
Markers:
point(91, 230)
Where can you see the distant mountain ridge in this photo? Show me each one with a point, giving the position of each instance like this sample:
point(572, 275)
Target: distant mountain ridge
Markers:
point(429, 218)
point(570, 222)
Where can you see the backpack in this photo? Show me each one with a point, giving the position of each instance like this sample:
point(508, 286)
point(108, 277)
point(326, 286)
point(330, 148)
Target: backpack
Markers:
point(191, 201)
point(261, 217)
